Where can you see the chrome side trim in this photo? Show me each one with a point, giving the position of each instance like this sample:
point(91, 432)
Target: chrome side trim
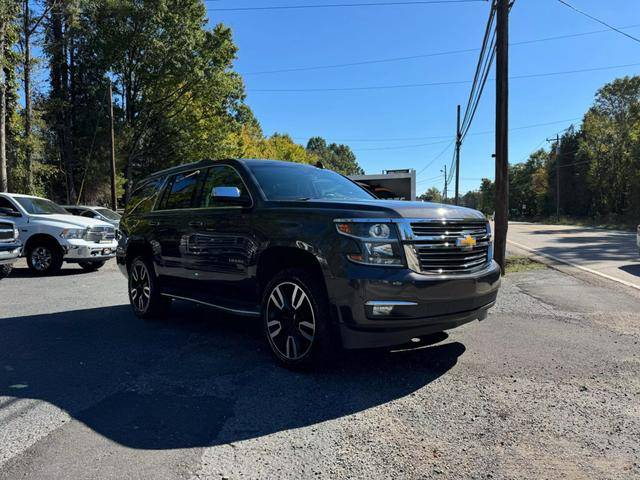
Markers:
point(246, 313)
point(393, 303)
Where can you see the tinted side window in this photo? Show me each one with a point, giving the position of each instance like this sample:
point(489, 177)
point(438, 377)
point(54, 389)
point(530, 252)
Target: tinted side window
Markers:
point(4, 203)
point(222, 176)
point(144, 197)
point(180, 191)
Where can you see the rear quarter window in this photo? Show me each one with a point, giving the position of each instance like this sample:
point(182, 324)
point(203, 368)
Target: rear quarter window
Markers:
point(180, 191)
point(144, 197)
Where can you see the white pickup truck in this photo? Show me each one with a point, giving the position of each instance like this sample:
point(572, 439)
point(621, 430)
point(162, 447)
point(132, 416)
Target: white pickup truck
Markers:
point(51, 236)
point(10, 247)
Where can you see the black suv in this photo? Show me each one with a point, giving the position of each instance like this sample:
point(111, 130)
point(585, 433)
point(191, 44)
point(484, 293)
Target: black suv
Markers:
point(314, 255)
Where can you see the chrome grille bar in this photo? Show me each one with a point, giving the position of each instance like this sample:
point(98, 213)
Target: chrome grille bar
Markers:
point(437, 250)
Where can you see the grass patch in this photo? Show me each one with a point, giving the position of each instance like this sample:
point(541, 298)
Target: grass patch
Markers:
point(518, 264)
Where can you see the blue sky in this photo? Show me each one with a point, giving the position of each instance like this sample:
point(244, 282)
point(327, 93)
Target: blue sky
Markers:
point(370, 121)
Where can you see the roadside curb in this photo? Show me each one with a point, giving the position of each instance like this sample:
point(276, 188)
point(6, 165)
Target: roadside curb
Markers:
point(571, 264)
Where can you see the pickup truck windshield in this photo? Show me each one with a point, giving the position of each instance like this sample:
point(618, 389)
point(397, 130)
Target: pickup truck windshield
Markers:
point(110, 214)
point(304, 182)
point(40, 206)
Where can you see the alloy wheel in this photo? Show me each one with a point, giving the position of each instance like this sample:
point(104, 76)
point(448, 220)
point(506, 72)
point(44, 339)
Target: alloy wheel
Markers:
point(41, 258)
point(291, 323)
point(140, 286)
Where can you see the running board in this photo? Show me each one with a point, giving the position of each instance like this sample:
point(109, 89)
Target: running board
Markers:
point(244, 313)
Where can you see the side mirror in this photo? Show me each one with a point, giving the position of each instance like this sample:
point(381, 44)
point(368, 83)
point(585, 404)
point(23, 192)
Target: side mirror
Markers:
point(8, 212)
point(222, 193)
point(229, 195)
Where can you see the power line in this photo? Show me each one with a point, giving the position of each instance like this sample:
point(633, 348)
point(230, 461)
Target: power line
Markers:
point(437, 157)
point(400, 147)
point(433, 84)
point(602, 22)
point(488, 44)
point(437, 137)
point(424, 55)
point(342, 5)
point(470, 113)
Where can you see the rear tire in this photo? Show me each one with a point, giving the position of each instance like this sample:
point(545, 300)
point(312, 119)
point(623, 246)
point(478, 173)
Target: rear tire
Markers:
point(44, 258)
point(144, 293)
point(92, 266)
point(5, 270)
point(297, 320)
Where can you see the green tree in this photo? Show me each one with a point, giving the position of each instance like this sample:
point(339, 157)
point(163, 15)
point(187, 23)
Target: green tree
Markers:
point(431, 195)
point(610, 141)
point(339, 158)
point(487, 197)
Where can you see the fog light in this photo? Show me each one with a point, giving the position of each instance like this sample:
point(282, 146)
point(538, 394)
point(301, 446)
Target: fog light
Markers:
point(382, 310)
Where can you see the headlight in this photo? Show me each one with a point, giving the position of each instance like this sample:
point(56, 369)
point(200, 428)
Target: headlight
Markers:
point(16, 233)
point(378, 242)
point(73, 233)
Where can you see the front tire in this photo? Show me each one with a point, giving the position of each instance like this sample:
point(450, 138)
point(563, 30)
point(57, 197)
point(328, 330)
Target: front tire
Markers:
point(144, 292)
point(44, 258)
point(92, 266)
point(296, 319)
point(5, 270)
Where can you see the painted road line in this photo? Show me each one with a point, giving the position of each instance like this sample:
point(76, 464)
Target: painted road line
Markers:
point(580, 267)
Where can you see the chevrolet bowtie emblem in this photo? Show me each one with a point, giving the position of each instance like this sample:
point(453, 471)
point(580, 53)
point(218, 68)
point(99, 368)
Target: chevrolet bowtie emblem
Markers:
point(466, 242)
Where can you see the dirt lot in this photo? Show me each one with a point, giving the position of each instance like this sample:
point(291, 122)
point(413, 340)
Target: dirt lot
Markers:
point(547, 387)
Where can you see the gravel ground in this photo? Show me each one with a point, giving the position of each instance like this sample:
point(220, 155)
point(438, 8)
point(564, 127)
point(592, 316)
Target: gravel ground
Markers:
point(547, 387)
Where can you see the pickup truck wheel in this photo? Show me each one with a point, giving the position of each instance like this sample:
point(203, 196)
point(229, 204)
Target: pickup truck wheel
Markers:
point(295, 313)
point(92, 266)
point(144, 294)
point(5, 270)
point(44, 258)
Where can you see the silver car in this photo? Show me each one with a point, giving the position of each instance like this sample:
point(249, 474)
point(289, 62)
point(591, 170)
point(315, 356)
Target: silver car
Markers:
point(99, 213)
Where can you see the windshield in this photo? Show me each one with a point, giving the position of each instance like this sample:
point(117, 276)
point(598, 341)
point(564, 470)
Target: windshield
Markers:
point(110, 214)
point(40, 206)
point(303, 182)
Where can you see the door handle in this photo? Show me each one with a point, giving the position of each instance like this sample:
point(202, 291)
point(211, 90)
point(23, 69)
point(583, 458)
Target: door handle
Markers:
point(154, 223)
point(196, 224)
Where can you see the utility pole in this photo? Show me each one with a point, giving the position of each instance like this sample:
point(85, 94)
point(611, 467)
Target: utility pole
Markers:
point(3, 109)
point(458, 144)
point(114, 199)
point(444, 194)
point(502, 132)
point(558, 145)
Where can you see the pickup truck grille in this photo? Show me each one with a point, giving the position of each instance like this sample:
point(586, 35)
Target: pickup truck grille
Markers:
point(451, 246)
point(100, 234)
point(7, 234)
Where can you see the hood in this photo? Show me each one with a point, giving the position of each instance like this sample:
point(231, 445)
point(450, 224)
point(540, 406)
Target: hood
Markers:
point(396, 209)
point(70, 221)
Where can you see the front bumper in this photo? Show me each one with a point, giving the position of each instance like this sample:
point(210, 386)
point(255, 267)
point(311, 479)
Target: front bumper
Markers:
point(422, 304)
point(80, 251)
point(9, 253)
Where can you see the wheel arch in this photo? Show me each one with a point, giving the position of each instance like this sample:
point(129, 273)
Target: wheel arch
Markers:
point(281, 257)
point(38, 238)
point(138, 249)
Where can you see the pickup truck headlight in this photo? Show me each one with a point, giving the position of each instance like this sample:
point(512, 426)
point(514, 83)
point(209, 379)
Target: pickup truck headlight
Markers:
point(73, 233)
point(16, 233)
point(379, 244)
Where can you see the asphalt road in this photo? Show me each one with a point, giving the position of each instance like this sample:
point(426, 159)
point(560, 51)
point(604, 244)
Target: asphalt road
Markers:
point(547, 387)
point(609, 252)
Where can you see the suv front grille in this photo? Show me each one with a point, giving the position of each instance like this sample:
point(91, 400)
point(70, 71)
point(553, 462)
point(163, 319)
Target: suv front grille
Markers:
point(440, 246)
point(100, 234)
point(7, 233)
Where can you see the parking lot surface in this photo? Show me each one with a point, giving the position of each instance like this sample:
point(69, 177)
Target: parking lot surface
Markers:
point(547, 387)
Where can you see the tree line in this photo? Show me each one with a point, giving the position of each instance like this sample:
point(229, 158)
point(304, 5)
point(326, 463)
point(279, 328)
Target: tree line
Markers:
point(591, 171)
point(177, 98)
